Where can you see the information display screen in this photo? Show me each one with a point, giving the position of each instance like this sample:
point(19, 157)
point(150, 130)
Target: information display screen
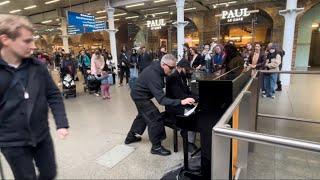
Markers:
point(79, 23)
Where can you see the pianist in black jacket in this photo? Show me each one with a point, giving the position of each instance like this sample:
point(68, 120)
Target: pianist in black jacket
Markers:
point(150, 84)
point(177, 88)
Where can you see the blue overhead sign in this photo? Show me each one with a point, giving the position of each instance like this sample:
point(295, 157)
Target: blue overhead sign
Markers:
point(79, 23)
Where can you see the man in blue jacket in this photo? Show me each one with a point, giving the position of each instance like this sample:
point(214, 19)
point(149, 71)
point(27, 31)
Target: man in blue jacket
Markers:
point(150, 84)
point(26, 90)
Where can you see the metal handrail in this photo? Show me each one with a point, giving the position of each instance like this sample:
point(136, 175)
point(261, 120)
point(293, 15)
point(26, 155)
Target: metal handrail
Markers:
point(290, 72)
point(267, 139)
point(222, 132)
point(289, 118)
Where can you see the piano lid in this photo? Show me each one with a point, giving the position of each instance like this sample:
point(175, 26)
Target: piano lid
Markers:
point(228, 76)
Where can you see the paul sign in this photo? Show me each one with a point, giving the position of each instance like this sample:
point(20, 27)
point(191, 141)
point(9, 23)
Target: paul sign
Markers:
point(235, 15)
point(156, 24)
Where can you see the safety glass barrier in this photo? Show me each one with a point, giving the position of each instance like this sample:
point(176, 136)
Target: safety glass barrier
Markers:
point(232, 147)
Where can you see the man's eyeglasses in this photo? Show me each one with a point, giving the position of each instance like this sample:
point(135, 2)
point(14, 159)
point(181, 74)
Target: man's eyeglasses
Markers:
point(170, 67)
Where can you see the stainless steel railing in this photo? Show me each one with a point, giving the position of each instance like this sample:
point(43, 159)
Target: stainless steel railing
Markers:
point(222, 133)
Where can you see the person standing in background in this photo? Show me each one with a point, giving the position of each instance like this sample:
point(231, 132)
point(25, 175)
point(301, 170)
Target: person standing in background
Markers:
point(144, 60)
point(124, 65)
point(26, 91)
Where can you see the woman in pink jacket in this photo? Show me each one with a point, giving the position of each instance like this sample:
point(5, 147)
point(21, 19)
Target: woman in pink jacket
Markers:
point(97, 63)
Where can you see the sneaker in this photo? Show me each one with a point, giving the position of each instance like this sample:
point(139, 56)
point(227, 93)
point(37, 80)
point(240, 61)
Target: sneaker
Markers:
point(264, 95)
point(131, 139)
point(97, 94)
point(279, 89)
point(120, 85)
point(160, 151)
point(273, 96)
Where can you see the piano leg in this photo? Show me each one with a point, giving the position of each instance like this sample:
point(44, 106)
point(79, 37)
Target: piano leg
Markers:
point(184, 134)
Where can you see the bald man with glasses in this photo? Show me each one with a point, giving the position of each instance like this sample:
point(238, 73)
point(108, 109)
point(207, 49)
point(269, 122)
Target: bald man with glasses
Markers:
point(150, 84)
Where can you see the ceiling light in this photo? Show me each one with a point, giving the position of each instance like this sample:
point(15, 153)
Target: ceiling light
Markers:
point(15, 11)
point(57, 19)
point(165, 12)
point(101, 17)
point(315, 25)
point(116, 19)
point(188, 9)
point(151, 9)
point(132, 17)
point(45, 22)
point(50, 2)
point(214, 6)
point(4, 2)
point(121, 14)
point(102, 11)
point(227, 5)
point(159, 13)
point(135, 5)
point(30, 7)
point(232, 2)
point(171, 13)
point(159, 1)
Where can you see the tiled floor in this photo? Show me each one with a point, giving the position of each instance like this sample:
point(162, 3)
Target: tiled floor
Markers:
point(97, 126)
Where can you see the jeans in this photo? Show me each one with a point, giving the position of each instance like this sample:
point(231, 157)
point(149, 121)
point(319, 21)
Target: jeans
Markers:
point(270, 81)
point(105, 90)
point(21, 160)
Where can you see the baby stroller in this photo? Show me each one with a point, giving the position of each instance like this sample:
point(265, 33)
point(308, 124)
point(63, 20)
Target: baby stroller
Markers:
point(91, 84)
point(67, 74)
point(69, 86)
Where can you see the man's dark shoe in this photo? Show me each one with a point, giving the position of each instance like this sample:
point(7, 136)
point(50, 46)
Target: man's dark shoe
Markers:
point(279, 89)
point(160, 151)
point(131, 139)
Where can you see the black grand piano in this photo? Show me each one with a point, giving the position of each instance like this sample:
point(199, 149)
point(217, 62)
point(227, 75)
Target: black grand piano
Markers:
point(216, 93)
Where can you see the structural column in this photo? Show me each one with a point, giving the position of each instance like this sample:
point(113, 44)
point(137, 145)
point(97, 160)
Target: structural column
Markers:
point(65, 36)
point(180, 27)
point(290, 15)
point(112, 34)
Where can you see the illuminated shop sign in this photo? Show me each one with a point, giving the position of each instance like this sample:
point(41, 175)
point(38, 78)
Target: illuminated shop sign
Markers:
point(156, 24)
point(235, 15)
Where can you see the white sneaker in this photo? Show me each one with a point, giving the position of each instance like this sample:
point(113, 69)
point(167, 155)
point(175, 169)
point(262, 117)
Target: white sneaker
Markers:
point(97, 94)
point(264, 96)
point(273, 96)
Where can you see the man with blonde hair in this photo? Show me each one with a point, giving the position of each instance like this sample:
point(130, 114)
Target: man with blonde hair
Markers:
point(26, 90)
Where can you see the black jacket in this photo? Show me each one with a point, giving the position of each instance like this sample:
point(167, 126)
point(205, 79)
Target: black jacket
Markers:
point(144, 61)
point(150, 83)
point(25, 121)
point(123, 62)
point(177, 88)
point(261, 60)
point(133, 60)
point(198, 61)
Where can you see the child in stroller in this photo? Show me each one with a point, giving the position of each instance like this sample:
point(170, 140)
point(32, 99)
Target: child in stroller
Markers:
point(67, 74)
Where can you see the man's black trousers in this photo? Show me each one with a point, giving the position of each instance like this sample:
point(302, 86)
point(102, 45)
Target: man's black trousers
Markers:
point(149, 115)
point(21, 160)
